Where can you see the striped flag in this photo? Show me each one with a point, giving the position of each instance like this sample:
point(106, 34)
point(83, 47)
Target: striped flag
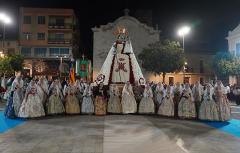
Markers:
point(72, 72)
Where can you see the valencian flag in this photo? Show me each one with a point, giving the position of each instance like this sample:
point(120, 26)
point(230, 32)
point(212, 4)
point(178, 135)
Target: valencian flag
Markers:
point(72, 72)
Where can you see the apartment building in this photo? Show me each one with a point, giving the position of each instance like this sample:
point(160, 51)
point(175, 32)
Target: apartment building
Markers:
point(47, 39)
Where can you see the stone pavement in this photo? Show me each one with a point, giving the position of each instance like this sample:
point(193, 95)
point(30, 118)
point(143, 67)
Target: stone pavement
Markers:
point(116, 134)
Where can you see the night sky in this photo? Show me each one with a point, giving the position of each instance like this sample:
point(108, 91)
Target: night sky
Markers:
point(210, 19)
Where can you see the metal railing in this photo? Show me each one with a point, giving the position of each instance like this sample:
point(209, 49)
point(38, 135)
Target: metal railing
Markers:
point(60, 26)
point(59, 41)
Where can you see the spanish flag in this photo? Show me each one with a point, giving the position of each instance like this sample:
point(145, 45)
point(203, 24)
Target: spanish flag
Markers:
point(72, 73)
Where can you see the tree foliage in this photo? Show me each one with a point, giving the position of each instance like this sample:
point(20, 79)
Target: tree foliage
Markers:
point(162, 57)
point(10, 64)
point(226, 64)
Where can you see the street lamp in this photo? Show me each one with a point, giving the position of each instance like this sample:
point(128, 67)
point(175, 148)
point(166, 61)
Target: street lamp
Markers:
point(5, 20)
point(182, 32)
point(1, 54)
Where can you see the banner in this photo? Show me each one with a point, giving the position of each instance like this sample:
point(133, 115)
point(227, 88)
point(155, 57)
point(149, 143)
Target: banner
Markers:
point(84, 69)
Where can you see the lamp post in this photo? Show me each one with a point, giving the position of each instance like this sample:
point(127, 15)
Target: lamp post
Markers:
point(5, 20)
point(182, 32)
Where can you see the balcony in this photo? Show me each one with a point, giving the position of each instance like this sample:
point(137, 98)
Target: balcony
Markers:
point(65, 26)
point(59, 41)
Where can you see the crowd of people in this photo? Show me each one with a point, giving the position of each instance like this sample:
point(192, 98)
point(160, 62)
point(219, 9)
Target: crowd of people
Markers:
point(40, 97)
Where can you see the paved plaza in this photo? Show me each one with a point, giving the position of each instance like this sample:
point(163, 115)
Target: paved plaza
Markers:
point(116, 134)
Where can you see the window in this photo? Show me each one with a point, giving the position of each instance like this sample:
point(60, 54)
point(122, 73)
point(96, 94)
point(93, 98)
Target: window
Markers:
point(201, 66)
point(170, 80)
point(27, 20)
point(27, 35)
point(40, 52)
point(60, 21)
point(64, 51)
point(238, 49)
point(11, 51)
point(59, 36)
point(41, 36)
point(41, 19)
point(186, 80)
point(54, 51)
point(26, 51)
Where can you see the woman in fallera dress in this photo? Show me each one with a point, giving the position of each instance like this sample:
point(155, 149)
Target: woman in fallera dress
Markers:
point(87, 103)
point(9, 110)
point(159, 94)
point(17, 88)
point(129, 104)
point(208, 109)
point(54, 104)
point(100, 100)
point(31, 106)
point(167, 106)
point(71, 102)
point(114, 102)
point(146, 105)
point(79, 91)
point(43, 90)
point(222, 102)
point(186, 106)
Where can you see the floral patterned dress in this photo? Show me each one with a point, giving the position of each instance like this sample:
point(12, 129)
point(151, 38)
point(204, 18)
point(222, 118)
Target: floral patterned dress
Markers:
point(146, 105)
point(129, 104)
point(72, 104)
point(100, 103)
point(223, 105)
point(87, 103)
point(114, 102)
point(208, 109)
point(31, 105)
point(167, 106)
point(186, 106)
point(54, 104)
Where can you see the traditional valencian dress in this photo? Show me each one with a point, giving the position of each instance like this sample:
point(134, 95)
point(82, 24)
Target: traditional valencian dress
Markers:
point(167, 106)
point(87, 103)
point(8, 88)
point(79, 91)
point(71, 102)
point(100, 101)
point(9, 110)
point(114, 103)
point(208, 109)
point(43, 90)
point(17, 87)
point(186, 106)
point(159, 94)
point(31, 105)
point(223, 103)
point(129, 104)
point(177, 92)
point(54, 104)
point(146, 105)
